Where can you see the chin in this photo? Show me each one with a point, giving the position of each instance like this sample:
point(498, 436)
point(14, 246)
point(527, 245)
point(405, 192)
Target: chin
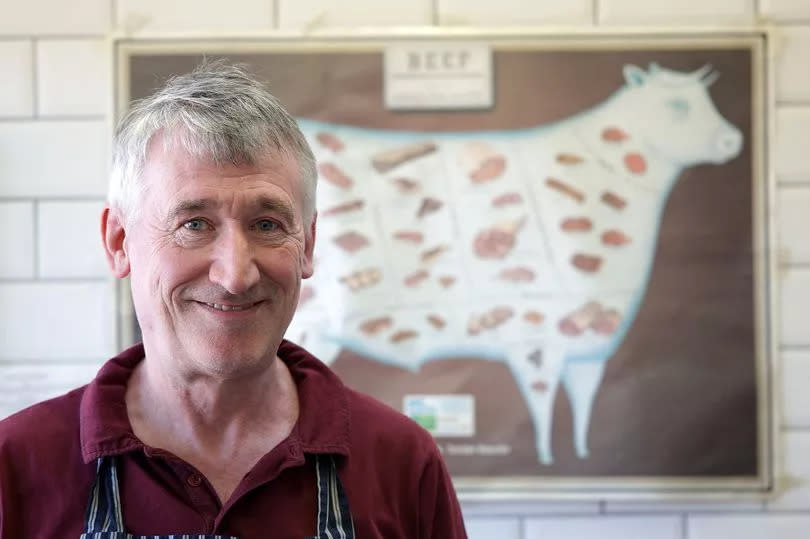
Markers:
point(229, 359)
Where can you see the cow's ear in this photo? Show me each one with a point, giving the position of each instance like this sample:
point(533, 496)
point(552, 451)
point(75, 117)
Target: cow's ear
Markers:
point(634, 75)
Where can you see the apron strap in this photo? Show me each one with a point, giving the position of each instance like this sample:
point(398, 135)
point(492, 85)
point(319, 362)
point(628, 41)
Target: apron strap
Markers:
point(104, 507)
point(104, 513)
point(334, 517)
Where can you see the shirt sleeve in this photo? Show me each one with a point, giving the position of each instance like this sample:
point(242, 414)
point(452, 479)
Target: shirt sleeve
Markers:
point(439, 512)
point(9, 502)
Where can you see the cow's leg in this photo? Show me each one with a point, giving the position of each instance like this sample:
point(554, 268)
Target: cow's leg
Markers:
point(539, 381)
point(581, 380)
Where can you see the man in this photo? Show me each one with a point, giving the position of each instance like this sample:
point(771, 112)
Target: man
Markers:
point(215, 426)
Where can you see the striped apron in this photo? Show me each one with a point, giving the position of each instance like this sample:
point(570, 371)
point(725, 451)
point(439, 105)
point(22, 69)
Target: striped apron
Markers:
point(105, 519)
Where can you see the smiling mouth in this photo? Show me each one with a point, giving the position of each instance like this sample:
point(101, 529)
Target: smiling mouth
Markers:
point(228, 308)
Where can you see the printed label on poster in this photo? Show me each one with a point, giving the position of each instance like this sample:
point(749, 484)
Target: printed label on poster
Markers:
point(442, 415)
point(431, 76)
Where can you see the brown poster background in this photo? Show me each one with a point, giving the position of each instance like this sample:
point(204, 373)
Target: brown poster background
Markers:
point(679, 398)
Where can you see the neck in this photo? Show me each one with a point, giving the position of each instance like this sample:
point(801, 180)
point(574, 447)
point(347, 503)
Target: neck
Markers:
point(617, 112)
point(209, 415)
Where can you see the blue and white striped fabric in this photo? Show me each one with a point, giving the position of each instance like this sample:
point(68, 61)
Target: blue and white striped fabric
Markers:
point(105, 520)
point(334, 517)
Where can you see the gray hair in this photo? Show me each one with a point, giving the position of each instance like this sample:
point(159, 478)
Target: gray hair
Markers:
point(219, 112)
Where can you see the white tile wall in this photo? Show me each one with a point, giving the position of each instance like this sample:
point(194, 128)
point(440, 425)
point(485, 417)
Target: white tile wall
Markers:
point(312, 14)
point(792, 206)
point(794, 478)
point(65, 90)
point(58, 321)
point(22, 385)
point(708, 12)
point(53, 158)
point(490, 528)
point(750, 527)
point(202, 17)
point(795, 296)
point(17, 248)
point(635, 527)
point(793, 388)
point(483, 509)
point(511, 12)
point(69, 240)
point(785, 10)
point(792, 75)
point(46, 326)
point(792, 141)
point(39, 17)
point(683, 507)
point(17, 89)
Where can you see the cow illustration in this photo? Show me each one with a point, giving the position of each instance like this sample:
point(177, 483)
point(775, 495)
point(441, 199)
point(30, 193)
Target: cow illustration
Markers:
point(532, 247)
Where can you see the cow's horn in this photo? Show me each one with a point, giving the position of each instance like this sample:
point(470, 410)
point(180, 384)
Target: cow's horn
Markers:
point(711, 79)
point(702, 72)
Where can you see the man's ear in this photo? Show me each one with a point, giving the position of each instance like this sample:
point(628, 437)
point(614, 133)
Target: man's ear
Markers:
point(113, 235)
point(309, 247)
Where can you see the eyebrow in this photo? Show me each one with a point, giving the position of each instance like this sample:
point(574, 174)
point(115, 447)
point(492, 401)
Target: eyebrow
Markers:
point(189, 206)
point(276, 206)
point(186, 207)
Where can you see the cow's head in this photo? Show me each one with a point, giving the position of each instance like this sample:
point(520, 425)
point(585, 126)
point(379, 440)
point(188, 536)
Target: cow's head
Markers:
point(675, 116)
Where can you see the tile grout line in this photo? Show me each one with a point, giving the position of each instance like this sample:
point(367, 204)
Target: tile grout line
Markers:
point(36, 240)
point(54, 280)
point(792, 103)
point(61, 362)
point(88, 198)
point(113, 14)
point(684, 525)
point(78, 118)
point(55, 36)
point(595, 14)
point(276, 14)
point(793, 184)
point(794, 348)
point(793, 22)
point(435, 12)
point(34, 78)
point(794, 428)
point(795, 265)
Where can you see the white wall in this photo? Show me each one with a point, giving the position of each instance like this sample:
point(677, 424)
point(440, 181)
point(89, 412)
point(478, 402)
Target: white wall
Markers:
point(55, 298)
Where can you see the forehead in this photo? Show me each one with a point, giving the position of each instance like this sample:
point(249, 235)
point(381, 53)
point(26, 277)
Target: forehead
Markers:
point(171, 173)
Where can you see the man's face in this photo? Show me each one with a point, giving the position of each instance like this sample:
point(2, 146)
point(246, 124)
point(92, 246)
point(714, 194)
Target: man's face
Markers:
point(216, 258)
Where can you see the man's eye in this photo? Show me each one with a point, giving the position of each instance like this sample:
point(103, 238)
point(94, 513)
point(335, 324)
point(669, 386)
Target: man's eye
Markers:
point(195, 225)
point(266, 225)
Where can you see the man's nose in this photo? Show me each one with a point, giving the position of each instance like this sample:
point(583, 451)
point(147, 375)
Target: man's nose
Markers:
point(234, 267)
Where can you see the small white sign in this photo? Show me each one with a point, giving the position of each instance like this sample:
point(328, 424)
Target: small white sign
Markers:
point(438, 75)
point(442, 415)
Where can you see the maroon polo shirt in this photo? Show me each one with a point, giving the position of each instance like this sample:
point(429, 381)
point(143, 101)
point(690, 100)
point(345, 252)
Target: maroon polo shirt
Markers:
point(395, 479)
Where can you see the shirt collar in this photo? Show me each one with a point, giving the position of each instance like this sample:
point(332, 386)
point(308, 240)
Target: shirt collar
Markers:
point(323, 421)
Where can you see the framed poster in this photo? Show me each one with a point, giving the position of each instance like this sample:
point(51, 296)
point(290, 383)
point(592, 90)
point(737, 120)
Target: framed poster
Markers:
point(569, 284)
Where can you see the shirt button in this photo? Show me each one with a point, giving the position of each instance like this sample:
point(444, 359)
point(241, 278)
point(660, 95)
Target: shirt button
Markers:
point(194, 480)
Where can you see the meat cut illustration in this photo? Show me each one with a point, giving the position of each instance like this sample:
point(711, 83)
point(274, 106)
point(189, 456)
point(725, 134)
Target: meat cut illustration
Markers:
point(532, 247)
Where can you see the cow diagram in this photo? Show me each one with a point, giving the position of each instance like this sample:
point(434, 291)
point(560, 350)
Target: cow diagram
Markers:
point(532, 247)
